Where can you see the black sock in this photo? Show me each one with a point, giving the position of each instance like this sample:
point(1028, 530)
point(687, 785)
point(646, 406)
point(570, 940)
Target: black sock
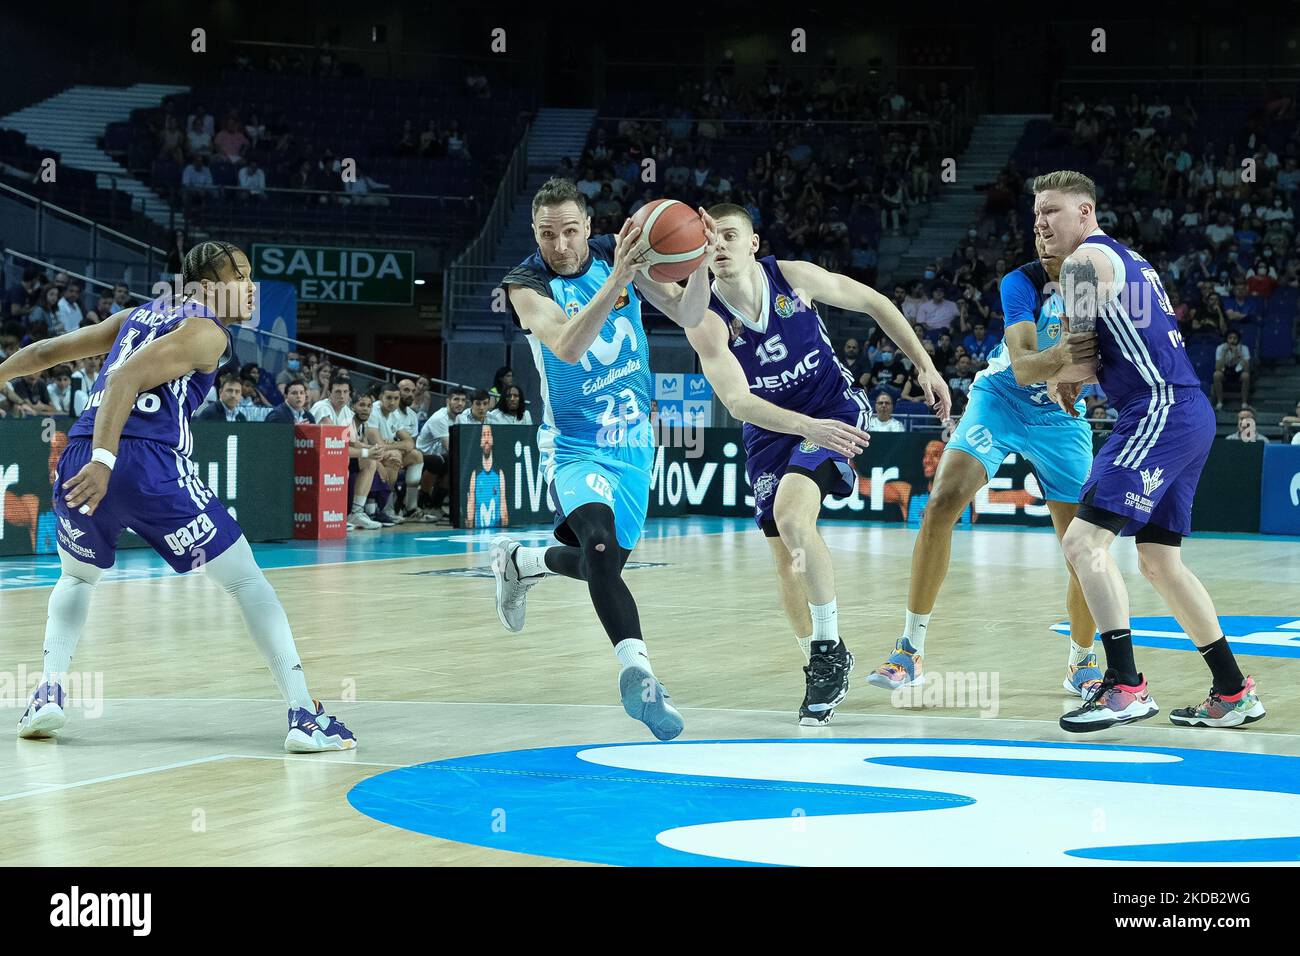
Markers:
point(1223, 665)
point(1119, 655)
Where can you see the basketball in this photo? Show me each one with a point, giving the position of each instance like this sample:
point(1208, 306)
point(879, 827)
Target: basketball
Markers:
point(676, 235)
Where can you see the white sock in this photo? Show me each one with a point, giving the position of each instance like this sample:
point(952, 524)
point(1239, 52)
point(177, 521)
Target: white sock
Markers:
point(1077, 653)
point(631, 651)
point(413, 475)
point(825, 621)
point(236, 573)
point(531, 561)
point(359, 503)
point(804, 644)
point(69, 604)
point(914, 629)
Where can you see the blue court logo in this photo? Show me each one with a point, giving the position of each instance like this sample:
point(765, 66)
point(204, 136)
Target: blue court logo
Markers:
point(815, 802)
point(1260, 636)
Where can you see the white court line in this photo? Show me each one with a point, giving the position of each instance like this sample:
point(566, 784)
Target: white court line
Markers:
point(111, 777)
point(1236, 732)
point(314, 759)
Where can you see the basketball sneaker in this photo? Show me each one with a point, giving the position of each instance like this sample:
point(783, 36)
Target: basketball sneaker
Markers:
point(827, 682)
point(1083, 677)
point(1111, 703)
point(1243, 707)
point(512, 590)
point(359, 519)
point(316, 732)
point(418, 514)
point(902, 669)
point(384, 519)
point(44, 714)
point(646, 700)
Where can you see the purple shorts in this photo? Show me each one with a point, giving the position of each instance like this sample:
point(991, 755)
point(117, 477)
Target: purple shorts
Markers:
point(154, 491)
point(770, 455)
point(1149, 467)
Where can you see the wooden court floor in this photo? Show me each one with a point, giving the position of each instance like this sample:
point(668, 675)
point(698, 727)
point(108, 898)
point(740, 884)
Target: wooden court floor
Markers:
point(175, 757)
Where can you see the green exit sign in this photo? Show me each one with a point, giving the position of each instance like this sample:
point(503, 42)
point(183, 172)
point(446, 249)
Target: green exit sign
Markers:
point(343, 274)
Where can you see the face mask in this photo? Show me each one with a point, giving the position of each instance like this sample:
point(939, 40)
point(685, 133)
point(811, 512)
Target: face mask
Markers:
point(294, 365)
point(885, 357)
point(972, 233)
point(1005, 237)
point(929, 273)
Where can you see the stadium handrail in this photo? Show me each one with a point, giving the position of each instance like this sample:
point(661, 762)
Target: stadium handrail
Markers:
point(480, 248)
point(390, 371)
point(44, 206)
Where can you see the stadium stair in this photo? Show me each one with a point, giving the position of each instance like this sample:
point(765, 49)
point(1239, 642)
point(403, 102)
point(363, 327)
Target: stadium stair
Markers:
point(955, 207)
point(72, 122)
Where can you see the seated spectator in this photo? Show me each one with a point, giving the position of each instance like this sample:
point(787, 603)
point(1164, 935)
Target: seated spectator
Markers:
point(479, 406)
point(962, 375)
point(1231, 368)
point(230, 143)
point(1241, 306)
point(22, 297)
point(318, 389)
point(335, 409)
point(422, 403)
point(1211, 319)
point(979, 345)
point(252, 182)
point(395, 426)
point(198, 140)
point(511, 409)
point(937, 312)
point(268, 394)
point(1247, 428)
point(360, 192)
point(196, 182)
point(1099, 413)
point(293, 410)
point(292, 371)
point(63, 395)
point(363, 454)
point(46, 310)
point(71, 313)
point(882, 419)
point(432, 443)
point(226, 408)
point(1291, 423)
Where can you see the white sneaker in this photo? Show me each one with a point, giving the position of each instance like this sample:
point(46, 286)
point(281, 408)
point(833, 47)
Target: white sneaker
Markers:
point(511, 589)
point(44, 715)
point(393, 517)
point(359, 519)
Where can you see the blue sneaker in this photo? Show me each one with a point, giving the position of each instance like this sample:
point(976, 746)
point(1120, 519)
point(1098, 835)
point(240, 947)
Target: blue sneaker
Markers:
point(1083, 678)
point(311, 733)
point(646, 700)
point(44, 714)
point(902, 669)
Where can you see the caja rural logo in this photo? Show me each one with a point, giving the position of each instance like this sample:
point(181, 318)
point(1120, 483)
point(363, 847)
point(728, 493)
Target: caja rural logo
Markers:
point(818, 802)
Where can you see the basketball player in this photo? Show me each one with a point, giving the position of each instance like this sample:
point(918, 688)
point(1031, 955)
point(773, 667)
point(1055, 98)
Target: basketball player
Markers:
point(1011, 409)
point(1144, 478)
point(485, 502)
point(764, 348)
point(579, 301)
point(127, 464)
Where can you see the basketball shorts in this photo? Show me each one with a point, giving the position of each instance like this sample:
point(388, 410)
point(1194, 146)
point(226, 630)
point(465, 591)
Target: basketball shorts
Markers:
point(1058, 447)
point(154, 491)
point(1149, 468)
point(770, 456)
point(580, 474)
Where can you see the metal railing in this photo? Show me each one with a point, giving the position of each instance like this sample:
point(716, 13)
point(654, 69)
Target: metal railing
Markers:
point(53, 231)
point(438, 386)
point(462, 280)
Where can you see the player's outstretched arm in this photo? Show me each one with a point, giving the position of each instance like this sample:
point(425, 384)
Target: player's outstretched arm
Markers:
point(94, 339)
point(812, 282)
point(685, 306)
point(709, 339)
point(196, 344)
point(569, 338)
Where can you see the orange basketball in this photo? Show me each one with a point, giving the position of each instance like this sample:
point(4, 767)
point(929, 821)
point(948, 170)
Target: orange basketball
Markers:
point(676, 235)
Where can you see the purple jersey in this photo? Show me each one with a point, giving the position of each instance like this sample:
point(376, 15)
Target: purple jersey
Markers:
point(161, 414)
point(787, 356)
point(1141, 353)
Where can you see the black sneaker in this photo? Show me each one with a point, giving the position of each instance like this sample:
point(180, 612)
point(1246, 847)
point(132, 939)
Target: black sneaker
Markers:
point(827, 673)
point(383, 519)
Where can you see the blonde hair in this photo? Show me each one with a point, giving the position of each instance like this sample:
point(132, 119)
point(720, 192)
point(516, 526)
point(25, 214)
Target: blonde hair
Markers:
point(1066, 181)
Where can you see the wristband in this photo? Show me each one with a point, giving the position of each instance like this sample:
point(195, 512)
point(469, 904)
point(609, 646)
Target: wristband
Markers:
point(365, 453)
point(104, 457)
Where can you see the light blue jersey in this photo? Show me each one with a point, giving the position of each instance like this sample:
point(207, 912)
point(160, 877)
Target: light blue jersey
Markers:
point(1005, 417)
point(595, 439)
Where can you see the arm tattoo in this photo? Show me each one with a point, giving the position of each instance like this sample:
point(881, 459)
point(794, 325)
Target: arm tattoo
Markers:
point(1079, 290)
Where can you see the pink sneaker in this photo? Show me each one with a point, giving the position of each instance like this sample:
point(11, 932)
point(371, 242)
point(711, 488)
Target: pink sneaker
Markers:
point(1111, 703)
point(1243, 707)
